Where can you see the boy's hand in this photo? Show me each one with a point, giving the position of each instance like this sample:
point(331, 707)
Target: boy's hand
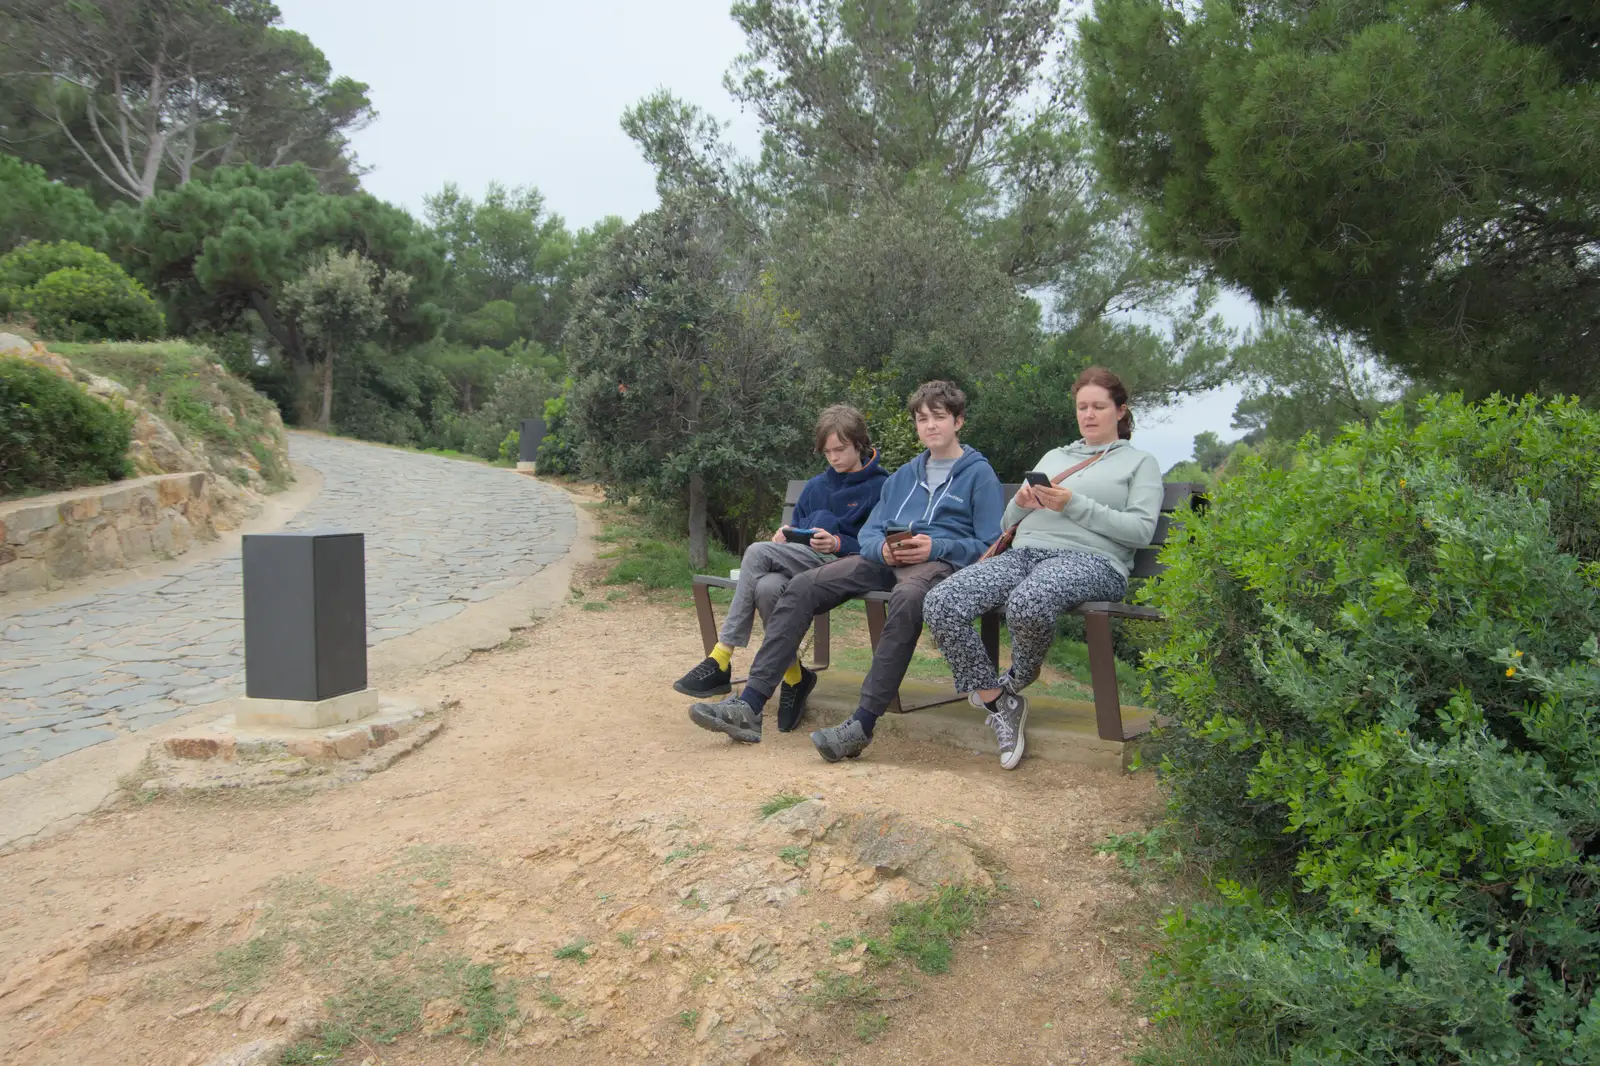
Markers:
point(778, 538)
point(909, 551)
point(825, 543)
point(1052, 498)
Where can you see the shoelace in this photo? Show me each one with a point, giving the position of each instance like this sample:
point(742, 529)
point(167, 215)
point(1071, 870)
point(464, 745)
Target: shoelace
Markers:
point(1003, 729)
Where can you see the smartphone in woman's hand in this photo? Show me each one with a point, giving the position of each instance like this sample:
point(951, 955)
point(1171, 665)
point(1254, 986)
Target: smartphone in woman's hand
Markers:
point(1034, 477)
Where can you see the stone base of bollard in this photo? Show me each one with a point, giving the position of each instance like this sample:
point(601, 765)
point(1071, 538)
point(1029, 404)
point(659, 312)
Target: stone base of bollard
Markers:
point(251, 713)
point(227, 754)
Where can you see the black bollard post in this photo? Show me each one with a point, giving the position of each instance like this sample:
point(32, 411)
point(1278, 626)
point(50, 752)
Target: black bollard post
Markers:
point(305, 629)
point(529, 436)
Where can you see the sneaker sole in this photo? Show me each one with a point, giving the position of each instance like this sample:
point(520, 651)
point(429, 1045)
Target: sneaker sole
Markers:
point(1022, 741)
point(714, 690)
point(706, 720)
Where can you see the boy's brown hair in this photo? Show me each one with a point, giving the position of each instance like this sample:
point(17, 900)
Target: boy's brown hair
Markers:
point(847, 423)
point(938, 396)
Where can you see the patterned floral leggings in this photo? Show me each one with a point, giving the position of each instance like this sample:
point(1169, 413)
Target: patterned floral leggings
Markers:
point(1036, 586)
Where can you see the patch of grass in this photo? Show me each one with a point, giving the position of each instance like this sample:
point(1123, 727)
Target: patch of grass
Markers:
point(375, 952)
point(625, 939)
point(181, 382)
point(795, 855)
point(685, 853)
point(378, 1008)
point(925, 932)
point(596, 605)
point(843, 989)
point(1072, 657)
point(870, 1025)
point(490, 1004)
point(245, 967)
point(648, 554)
point(577, 951)
point(1154, 850)
point(549, 998)
point(429, 862)
point(689, 1018)
point(326, 1046)
point(693, 900)
point(781, 801)
point(617, 594)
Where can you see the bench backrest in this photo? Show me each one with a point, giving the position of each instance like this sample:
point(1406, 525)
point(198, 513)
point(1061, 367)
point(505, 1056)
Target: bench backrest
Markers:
point(1180, 497)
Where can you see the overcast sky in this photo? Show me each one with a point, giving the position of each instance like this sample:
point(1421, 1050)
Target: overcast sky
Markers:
point(529, 92)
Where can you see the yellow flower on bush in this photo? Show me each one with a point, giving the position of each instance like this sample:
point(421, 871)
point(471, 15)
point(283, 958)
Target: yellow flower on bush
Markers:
point(1511, 671)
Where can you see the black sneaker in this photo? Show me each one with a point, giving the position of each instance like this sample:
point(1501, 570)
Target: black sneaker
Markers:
point(732, 717)
point(707, 679)
point(792, 700)
point(847, 740)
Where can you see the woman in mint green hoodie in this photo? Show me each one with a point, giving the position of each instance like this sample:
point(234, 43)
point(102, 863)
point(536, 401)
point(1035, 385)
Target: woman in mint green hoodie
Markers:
point(1074, 544)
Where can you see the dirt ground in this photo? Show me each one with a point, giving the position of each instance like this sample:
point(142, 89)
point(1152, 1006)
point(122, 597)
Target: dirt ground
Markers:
point(572, 873)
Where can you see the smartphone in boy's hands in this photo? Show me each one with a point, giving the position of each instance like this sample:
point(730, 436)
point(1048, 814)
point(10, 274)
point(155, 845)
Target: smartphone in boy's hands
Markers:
point(893, 534)
point(799, 536)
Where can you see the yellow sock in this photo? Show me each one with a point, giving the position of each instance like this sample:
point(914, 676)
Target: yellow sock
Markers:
point(791, 676)
point(723, 654)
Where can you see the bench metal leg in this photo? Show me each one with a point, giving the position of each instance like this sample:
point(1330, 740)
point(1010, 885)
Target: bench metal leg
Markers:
point(1103, 677)
point(820, 649)
point(702, 612)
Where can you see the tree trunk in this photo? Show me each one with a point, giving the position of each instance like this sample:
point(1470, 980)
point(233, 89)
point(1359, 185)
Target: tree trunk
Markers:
point(326, 418)
point(699, 555)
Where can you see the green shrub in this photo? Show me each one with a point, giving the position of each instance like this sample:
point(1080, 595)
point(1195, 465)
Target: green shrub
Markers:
point(24, 267)
point(76, 293)
point(558, 450)
point(53, 435)
point(76, 304)
point(1383, 667)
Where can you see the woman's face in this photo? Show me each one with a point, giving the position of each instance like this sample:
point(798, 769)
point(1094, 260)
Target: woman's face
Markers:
point(1098, 414)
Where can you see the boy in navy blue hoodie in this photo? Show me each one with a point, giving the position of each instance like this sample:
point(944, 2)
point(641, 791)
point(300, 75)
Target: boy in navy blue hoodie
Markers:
point(835, 505)
point(943, 510)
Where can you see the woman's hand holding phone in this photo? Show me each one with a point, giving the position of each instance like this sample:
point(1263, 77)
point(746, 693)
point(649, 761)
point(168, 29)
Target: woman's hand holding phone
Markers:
point(1051, 497)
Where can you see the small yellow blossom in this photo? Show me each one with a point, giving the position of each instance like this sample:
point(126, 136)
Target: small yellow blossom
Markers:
point(1511, 671)
point(1516, 655)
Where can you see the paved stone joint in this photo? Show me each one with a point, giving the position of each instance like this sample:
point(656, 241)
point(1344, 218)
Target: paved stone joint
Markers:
point(440, 534)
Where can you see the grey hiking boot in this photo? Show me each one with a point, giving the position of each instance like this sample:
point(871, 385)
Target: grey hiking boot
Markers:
point(732, 717)
point(1009, 720)
point(847, 740)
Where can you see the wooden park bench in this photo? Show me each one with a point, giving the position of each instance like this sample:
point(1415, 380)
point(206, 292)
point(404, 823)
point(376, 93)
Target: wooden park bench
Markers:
point(1180, 497)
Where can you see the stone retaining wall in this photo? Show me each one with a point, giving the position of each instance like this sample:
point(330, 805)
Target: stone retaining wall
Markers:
point(48, 541)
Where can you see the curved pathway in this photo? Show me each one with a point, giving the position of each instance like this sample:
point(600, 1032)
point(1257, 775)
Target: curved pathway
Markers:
point(440, 534)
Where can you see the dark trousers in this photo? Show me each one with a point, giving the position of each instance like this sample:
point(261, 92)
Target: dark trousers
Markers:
point(827, 587)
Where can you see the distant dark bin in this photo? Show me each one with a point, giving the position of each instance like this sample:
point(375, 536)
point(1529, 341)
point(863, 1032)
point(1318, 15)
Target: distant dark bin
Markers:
point(305, 615)
point(528, 438)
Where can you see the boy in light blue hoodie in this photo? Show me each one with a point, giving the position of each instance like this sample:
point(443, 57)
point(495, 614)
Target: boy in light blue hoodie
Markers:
point(936, 514)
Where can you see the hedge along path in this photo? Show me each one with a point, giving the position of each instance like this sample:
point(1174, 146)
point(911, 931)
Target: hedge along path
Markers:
point(441, 534)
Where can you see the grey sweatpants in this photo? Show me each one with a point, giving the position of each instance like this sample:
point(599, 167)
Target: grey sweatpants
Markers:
point(1037, 586)
point(764, 573)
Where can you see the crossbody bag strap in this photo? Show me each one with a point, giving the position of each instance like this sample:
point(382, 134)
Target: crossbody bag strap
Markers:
point(1095, 458)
